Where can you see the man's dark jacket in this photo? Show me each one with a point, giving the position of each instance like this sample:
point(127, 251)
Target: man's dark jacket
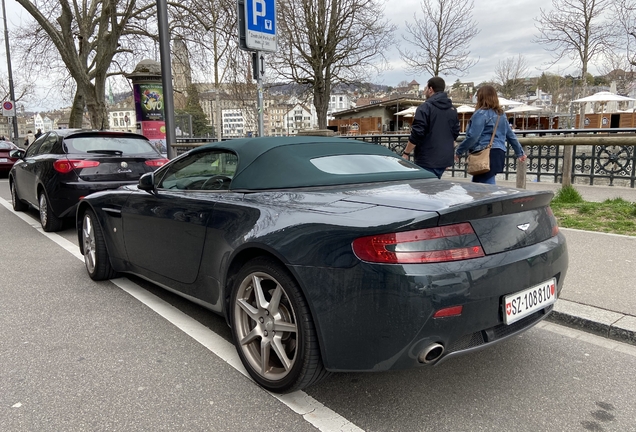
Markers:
point(434, 131)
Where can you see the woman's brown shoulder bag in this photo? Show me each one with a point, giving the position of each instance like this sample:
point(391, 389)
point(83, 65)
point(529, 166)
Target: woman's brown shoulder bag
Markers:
point(479, 162)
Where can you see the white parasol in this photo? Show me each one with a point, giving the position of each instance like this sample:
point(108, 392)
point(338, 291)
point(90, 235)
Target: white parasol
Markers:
point(410, 111)
point(602, 98)
point(503, 101)
point(523, 109)
point(463, 109)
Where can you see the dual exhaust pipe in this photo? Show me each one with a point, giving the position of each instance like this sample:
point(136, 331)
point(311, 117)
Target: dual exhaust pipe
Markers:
point(431, 353)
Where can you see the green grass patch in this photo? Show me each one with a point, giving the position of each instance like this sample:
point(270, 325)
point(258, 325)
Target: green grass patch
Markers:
point(568, 195)
point(610, 216)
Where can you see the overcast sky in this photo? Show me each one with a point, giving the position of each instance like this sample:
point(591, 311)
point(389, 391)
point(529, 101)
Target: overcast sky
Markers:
point(507, 29)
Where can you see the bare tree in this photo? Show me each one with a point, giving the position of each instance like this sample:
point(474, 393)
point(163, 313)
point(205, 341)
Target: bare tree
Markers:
point(323, 43)
point(510, 75)
point(214, 48)
point(441, 37)
point(578, 30)
point(624, 14)
point(86, 38)
point(83, 43)
point(557, 86)
point(575, 29)
point(619, 69)
point(23, 89)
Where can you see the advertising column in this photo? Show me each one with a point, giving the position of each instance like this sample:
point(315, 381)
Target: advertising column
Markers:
point(149, 102)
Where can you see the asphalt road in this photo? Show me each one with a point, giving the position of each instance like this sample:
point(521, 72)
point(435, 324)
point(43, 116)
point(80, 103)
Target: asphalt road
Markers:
point(124, 355)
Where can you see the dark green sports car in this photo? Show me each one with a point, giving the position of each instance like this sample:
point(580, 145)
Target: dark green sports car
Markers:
point(327, 254)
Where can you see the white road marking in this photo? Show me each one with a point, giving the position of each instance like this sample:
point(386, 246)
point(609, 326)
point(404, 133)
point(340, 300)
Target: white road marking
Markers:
point(310, 409)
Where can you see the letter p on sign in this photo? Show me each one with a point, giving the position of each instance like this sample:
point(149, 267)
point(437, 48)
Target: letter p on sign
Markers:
point(256, 12)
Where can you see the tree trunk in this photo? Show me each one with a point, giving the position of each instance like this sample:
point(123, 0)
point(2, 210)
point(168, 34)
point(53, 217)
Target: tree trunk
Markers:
point(76, 119)
point(321, 104)
point(96, 105)
point(322, 90)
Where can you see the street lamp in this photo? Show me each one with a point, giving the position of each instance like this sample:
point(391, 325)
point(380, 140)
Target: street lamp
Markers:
point(11, 90)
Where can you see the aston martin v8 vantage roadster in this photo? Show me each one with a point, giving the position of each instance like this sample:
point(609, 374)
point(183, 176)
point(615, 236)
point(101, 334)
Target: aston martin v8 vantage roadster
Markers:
point(328, 254)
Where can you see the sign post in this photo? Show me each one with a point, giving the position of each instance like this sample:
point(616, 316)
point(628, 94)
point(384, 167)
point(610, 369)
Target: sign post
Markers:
point(257, 32)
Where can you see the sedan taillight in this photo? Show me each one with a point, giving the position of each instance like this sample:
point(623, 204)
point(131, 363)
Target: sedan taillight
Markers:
point(156, 163)
point(553, 221)
point(430, 245)
point(67, 165)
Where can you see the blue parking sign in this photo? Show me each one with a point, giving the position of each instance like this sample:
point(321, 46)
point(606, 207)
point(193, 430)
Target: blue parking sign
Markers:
point(260, 21)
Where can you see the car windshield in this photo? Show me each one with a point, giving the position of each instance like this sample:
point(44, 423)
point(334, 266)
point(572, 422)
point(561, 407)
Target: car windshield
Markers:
point(4, 145)
point(117, 145)
point(361, 164)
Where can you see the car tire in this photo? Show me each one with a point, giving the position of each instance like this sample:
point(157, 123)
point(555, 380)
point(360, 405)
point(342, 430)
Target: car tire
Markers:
point(273, 330)
point(18, 204)
point(49, 222)
point(96, 256)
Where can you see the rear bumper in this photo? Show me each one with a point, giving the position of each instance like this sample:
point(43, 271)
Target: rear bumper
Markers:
point(380, 317)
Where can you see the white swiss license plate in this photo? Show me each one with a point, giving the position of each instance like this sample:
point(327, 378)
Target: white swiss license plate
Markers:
point(524, 303)
point(4, 160)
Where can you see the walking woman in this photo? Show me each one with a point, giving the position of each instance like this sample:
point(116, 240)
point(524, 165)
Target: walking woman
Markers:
point(480, 131)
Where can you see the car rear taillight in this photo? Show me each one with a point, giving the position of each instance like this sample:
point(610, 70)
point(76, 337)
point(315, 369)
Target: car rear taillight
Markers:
point(553, 221)
point(156, 163)
point(65, 166)
point(430, 245)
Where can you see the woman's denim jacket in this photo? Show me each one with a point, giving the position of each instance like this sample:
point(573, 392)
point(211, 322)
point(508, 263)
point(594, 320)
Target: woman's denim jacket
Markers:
point(479, 133)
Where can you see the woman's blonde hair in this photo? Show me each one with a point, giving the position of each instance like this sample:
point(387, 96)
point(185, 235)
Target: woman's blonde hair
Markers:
point(487, 99)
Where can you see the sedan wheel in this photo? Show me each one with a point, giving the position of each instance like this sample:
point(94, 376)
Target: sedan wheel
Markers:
point(94, 248)
point(273, 329)
point(18, 205)
point(49, 221)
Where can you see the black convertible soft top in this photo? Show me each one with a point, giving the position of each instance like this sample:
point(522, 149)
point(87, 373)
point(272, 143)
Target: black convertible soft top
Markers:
point(286, 162)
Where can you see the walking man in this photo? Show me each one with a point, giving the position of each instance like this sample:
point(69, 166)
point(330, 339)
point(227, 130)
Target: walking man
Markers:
point(434, 131)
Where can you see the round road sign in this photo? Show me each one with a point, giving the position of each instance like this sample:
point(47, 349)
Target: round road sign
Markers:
point(7, 105)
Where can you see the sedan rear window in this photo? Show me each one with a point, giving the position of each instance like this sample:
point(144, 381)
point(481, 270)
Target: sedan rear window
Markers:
point(361, 164)
point(109, 145)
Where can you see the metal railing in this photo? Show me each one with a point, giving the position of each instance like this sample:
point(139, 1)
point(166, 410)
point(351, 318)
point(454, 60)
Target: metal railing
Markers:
point(610, 162)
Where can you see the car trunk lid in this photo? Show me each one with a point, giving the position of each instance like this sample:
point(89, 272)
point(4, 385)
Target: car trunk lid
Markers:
point(502, 218)
point(113, 167)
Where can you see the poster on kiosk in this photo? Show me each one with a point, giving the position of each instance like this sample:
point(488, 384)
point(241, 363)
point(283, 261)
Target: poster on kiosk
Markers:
point(149, 105)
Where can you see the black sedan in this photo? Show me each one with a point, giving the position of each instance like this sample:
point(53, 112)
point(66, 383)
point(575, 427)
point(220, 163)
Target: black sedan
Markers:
point(6, 159)
point(62, 166)
point(327, 254)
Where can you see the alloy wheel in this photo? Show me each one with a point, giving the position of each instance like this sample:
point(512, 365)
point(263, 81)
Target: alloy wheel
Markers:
point(266, 326)
point(88, 243)
point(43, 209)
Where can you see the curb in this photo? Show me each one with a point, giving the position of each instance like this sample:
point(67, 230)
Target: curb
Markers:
point(612, 325)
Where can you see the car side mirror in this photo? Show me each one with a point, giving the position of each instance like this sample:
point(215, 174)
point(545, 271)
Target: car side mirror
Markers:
point(17, 153)
point(147, 182)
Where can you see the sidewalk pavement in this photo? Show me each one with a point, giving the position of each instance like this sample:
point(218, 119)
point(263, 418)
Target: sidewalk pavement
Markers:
point(599, 292)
